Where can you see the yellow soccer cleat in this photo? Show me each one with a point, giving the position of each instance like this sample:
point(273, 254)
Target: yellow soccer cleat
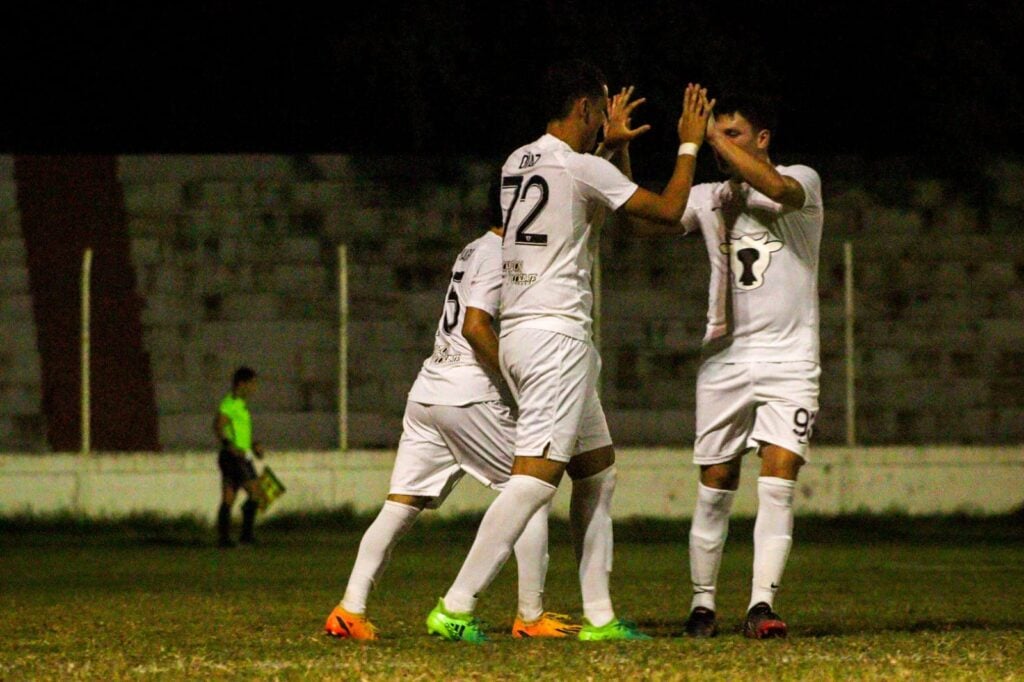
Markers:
point(548, 625)
point(345, 625)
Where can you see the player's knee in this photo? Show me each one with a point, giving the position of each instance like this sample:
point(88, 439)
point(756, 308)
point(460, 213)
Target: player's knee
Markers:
point(787, 470)
point(721, 476)
point(529, 491)
point(591, 463)
point(417, 501)
point(547, 470)
point(779, 462)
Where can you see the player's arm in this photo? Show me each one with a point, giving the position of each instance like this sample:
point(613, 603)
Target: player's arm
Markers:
point(757, 172)
point(479, 332)
point(668, 206)
point(220, 428)
point(618, 131)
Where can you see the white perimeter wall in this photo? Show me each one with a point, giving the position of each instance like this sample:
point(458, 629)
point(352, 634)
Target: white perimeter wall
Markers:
point(652, 482)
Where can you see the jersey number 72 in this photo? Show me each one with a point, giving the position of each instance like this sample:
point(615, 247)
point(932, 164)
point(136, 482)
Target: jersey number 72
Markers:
point(523, 187)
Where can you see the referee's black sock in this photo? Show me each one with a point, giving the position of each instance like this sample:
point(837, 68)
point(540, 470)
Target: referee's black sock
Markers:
point(248, 519)
point(224, 522)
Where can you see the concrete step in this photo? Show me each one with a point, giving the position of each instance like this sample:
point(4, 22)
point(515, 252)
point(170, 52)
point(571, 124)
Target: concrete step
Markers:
point(187, 167)
point(19, 399)
point(285, 431)
point(20, 366)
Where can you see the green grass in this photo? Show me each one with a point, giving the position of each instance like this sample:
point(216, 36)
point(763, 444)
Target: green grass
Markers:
point(866, 598)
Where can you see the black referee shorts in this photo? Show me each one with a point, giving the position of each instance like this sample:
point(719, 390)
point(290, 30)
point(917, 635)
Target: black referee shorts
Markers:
point(234, 470)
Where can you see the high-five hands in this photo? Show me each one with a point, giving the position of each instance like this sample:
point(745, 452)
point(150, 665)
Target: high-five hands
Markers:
point(617, 130)
point(697, 108)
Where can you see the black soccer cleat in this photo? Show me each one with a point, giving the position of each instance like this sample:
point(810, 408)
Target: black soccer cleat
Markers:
point(763, 623)
point(701, 623)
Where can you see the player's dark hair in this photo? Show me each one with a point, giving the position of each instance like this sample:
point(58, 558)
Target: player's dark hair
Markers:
point(761, 110)
point(567, 81)
point(494, 215)
point(241, 375)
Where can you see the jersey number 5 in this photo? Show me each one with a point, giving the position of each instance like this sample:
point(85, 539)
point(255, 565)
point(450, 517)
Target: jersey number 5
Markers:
point(452, 306)
point(522, 187)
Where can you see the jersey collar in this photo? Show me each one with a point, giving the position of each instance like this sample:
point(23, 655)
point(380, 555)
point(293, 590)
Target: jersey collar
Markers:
point(549, 140)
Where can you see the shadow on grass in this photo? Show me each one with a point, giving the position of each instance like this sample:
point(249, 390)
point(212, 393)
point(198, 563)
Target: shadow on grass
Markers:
point(921, 626)
point(733, 626)
point(191, 531)
point(134, 529)
point(849, 529)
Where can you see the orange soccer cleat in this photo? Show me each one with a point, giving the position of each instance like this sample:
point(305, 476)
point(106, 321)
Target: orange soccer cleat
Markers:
point(345, 625)
point(548, 625)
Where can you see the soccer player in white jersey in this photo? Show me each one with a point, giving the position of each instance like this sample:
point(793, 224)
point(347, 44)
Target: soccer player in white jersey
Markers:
point(757, 388)
point(554, 191)
point(455, 423)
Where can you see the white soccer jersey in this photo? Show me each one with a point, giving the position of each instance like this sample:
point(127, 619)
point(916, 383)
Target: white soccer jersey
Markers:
point(763, 299)
point(452, 375)
point(551, 196)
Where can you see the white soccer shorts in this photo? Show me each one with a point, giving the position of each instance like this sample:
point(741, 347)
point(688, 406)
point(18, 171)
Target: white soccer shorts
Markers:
point(743, 405)
point(554, 380)
point(440, 443)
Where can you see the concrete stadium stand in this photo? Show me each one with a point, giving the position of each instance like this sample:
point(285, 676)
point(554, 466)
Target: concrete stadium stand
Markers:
point(21, 421)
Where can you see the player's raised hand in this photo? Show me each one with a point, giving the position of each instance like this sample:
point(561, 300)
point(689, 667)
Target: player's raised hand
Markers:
point(617, 130)
point(710, 131)
point(693, 122)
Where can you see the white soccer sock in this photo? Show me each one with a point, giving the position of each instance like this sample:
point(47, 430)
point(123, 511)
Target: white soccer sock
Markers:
point(773, 536)
point(500, 528)
point(591, 523)
point(532, 562)
point(390, 525)
point(708, 531)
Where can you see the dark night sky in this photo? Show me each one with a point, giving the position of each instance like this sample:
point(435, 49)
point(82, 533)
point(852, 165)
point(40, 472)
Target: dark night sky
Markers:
point(866, 78)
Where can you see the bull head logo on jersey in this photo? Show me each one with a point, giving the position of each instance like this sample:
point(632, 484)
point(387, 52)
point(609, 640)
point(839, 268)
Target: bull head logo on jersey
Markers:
point(750, 255)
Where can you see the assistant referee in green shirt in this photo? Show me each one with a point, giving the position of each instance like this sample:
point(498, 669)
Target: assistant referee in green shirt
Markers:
point(233, 426)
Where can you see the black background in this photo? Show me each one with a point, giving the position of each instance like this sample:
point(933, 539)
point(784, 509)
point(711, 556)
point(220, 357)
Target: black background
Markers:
point(861, 78)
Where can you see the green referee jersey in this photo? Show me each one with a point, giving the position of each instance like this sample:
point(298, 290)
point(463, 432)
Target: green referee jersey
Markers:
point(239, 429)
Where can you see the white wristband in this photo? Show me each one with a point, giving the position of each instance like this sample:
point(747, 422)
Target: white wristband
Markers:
point(689, 149)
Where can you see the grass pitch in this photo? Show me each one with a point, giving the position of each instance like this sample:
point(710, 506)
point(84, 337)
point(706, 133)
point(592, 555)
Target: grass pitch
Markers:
point(867, 598)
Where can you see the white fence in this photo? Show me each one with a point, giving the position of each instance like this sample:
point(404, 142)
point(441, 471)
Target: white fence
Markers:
point(652, 482)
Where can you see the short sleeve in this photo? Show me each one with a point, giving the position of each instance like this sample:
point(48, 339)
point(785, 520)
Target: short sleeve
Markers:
point(699, 200)
point(809, 180)
point(704, 199)
point(599, 180)
point(690, 220)
point(484, 284)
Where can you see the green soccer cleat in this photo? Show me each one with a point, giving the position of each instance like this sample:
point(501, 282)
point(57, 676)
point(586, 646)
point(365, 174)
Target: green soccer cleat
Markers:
point(618, 629)
point(455, 627)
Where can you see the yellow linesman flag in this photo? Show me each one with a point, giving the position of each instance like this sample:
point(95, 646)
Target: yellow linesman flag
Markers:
point(271, 486)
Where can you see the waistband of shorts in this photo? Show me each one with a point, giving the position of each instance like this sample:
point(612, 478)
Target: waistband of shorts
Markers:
point(574, 330)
